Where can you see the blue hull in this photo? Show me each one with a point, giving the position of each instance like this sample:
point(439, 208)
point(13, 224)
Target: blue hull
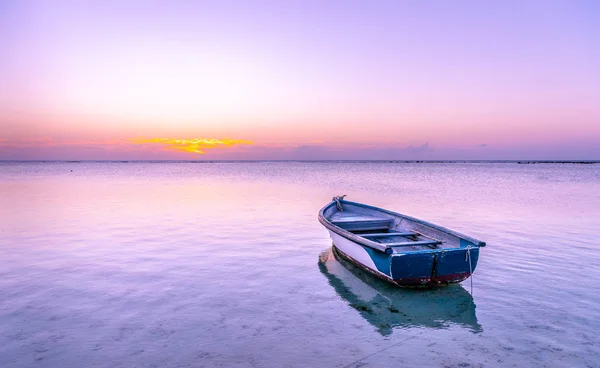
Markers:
point(425, 269)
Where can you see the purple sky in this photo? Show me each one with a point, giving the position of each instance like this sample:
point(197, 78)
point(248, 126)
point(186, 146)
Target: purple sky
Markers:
point(301, 79)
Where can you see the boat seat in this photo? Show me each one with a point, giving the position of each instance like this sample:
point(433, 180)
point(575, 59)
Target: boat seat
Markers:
point(364, 225)
point(385, 235)
point(412, 243)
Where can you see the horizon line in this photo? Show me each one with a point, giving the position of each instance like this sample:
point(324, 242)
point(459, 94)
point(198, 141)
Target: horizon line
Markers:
point(524, 161)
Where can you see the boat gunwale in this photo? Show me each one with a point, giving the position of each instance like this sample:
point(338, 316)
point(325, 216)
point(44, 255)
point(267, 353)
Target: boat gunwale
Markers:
point(379, 246)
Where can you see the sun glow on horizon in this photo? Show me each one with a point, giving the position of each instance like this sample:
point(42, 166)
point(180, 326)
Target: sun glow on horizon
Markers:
point(192, 145)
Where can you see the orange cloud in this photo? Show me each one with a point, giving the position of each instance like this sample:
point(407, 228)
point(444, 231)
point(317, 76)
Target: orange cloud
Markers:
point(193, 145)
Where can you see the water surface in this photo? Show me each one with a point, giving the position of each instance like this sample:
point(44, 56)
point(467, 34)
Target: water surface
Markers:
point(225, 264)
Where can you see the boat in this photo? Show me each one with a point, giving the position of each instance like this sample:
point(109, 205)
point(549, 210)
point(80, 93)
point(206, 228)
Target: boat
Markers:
point(388, 308)
point(403, 250)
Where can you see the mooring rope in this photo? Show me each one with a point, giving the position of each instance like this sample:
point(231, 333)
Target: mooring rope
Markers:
point(468, 257)
point(338, 203)
point(355, 363)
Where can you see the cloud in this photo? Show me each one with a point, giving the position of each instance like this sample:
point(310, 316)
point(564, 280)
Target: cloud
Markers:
point(48, 148)
point(192, 145)
point(332, 151)
point(52, 148)
point(424, 148)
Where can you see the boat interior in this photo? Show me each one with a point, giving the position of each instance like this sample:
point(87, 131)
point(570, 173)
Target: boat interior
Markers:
point(382, 230)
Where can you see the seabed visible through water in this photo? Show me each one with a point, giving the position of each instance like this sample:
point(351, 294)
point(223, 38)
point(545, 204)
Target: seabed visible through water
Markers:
point(225, 264)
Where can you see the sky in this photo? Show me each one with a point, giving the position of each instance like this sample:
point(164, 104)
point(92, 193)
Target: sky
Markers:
point(299, 80)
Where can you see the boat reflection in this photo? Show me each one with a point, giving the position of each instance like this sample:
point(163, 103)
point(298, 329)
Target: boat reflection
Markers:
point(386, 306)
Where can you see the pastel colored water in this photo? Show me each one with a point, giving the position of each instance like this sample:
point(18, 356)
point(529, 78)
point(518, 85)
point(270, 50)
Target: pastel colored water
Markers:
point(225, 264)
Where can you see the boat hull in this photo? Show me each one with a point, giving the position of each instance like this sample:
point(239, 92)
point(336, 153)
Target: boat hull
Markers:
point(363, 257)
point(417, 270)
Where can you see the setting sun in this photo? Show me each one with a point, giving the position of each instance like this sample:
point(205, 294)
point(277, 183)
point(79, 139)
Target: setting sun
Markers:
point(192, 145)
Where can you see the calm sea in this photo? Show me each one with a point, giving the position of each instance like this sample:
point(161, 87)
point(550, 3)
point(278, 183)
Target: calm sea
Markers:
point(226, 265)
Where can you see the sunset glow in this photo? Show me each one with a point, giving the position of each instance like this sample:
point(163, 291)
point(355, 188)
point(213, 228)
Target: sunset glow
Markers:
point(193, 145)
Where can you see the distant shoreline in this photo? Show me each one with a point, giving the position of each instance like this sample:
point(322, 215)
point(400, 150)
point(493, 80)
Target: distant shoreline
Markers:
point(520, 162)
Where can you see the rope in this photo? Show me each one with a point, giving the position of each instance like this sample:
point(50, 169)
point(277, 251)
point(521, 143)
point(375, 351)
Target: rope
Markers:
point(338, 200)
point(468, 257)
point(355, 363)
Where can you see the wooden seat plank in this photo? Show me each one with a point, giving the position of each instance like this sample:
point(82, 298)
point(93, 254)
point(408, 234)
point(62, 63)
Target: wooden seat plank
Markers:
point(382, 235)
point(363, 225)
point(412, 243)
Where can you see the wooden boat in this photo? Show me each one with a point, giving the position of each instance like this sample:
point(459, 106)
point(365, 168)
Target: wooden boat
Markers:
point(401, 249)
point(386, 308)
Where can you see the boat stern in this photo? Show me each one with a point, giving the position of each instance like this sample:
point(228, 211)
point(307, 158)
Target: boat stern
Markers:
point(426, 269)
point(412, 269)
point(455, 265)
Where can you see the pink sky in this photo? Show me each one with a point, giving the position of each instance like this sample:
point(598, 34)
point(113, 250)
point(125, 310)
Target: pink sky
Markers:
point(300, 80)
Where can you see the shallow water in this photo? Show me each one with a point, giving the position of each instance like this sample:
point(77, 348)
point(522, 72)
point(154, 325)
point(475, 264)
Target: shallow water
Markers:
point(225, 264)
